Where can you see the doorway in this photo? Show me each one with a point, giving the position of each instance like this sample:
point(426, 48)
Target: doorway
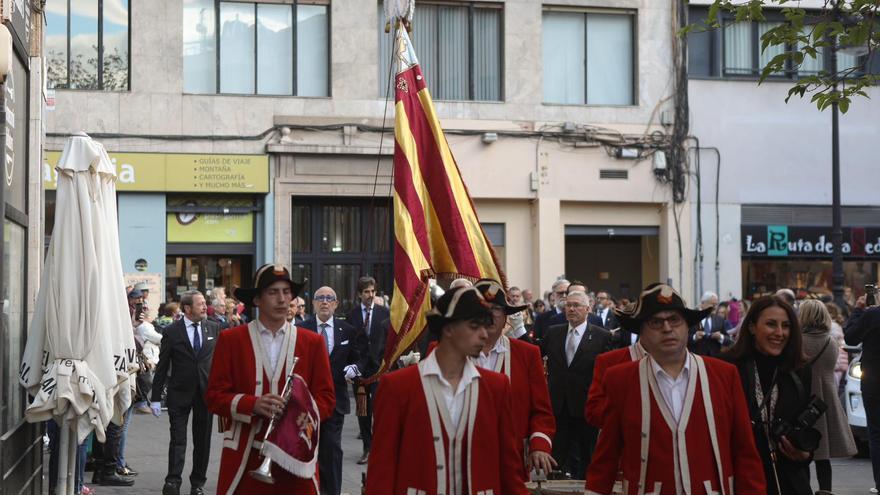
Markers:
point(621, 261)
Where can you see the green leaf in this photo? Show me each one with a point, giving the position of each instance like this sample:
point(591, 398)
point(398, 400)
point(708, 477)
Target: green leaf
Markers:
point(843, 104)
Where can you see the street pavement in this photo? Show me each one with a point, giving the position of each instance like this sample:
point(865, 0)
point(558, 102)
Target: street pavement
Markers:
point(147, 451)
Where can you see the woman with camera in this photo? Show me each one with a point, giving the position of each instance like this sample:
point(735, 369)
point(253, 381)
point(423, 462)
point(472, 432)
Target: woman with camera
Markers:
point(768, 354)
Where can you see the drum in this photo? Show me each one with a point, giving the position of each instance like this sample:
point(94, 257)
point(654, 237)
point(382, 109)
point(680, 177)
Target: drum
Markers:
point(556, 487)
point(562, 487)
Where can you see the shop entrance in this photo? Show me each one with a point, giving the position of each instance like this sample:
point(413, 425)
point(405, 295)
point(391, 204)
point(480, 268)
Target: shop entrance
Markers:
point(620, 260)
point(203, 273)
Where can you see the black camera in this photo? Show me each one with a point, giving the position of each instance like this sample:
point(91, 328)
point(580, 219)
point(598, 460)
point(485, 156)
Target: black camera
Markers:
point(139, 311)
point(801, 432)
point(870, 295)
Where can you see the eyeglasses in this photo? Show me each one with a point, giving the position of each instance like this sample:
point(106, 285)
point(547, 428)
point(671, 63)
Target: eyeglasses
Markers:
point(658, 323)
point(325, 298)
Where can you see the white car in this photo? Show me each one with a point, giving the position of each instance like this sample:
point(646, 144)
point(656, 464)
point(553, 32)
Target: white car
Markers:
point(855, 408)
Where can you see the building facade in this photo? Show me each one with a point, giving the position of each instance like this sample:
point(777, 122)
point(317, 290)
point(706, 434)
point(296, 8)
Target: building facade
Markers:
point(21, 252)
point(554, 112)
point(768, 225)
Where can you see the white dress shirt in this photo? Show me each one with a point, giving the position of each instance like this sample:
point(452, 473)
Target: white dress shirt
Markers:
point(488, 361)
point(329, 330)
point(190, 331)
point(272, 342)
point(454, 399)
point(578, 336)
point(673, 390)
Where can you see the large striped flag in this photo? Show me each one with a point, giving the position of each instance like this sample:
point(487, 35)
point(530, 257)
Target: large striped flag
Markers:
point(436, 230)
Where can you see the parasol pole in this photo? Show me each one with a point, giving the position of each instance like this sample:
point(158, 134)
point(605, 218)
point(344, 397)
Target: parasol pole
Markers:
point(63, 457)
point(73, 448)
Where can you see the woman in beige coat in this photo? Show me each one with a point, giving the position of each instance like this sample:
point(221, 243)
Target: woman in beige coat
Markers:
point(821, 351)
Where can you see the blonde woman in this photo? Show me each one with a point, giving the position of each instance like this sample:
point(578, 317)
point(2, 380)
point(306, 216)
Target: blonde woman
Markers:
point(821, 350)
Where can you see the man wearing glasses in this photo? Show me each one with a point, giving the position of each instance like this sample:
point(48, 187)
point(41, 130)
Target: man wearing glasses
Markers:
point(676, 422)
point(571, 350)
point(347, 349)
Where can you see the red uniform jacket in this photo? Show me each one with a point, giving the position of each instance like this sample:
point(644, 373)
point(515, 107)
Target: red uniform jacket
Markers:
point(533, 418)
point(404, 457)
point(238, 377)
point(640, 436)
point(594, 408)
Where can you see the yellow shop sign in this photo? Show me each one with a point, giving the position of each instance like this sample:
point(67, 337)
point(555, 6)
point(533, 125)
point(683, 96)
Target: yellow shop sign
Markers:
point(178, 172)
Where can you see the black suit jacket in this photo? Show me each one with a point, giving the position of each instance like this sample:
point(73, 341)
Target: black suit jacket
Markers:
point(611, 322)
point(375, 335)
point(180, 369)
point(348, 348)
point(552, 318)
point(708, 346)
point(569, 384)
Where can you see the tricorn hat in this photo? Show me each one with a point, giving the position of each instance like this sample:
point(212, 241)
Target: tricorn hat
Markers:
point(654, 299)
point(462, 303)
point(494, 293)
point(266, 275)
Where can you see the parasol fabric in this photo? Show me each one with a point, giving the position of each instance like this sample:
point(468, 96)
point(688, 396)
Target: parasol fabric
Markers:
point(80, 347)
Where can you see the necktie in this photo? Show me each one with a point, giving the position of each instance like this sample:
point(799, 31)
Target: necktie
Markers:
point(571, 345)
point(197, 339)
point(326, 336)
point(367, 321)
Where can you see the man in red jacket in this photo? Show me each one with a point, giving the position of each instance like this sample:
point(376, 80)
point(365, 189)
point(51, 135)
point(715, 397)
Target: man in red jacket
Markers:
point(594, 408)
point(249, 371)
point(445, 426)
point(676, 421)
point(533, 419)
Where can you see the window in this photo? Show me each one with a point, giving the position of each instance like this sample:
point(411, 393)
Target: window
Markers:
point(589, 58)
point(742, 48)
point(459, 49)
point(87, 44)
point(735, 51)
point(264, 48)
point(496, 234)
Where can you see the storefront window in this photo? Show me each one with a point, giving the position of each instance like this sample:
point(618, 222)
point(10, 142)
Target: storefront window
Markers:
point(808, 276)
point(204, 273)
point(12, 317)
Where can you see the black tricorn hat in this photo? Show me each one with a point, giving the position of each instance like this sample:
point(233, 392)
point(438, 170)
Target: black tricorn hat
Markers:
point(494, 293)
point(265, 276)
point(462, 303)
point(654, 299)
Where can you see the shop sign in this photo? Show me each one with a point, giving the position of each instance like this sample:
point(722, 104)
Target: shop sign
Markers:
point(773, 241)
point(210, 227)
point(18, 14)
point(177, 172)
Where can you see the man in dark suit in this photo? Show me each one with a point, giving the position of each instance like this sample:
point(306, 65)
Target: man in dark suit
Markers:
point(219, 317)
point(571, 350)
point(296, 311)
point(184, 365)
point(367, 318)
point(605, 311)
point(345, 347)
point(710, 336)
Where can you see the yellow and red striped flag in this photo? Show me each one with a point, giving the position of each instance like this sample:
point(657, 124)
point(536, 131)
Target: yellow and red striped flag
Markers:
point(436, 229)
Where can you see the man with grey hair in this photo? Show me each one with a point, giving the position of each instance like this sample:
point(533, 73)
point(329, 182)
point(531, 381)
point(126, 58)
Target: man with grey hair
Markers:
point(219, 317)
point(787, 295)
point(712, 334)
point(556, 313)
point(571, 350)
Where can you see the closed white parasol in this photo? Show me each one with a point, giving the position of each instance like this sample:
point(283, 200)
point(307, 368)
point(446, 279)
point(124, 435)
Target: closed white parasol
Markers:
point(80, 348)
